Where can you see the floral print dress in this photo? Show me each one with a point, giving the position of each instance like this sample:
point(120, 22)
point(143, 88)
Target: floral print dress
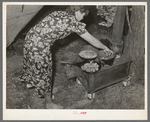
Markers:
point(37, 69)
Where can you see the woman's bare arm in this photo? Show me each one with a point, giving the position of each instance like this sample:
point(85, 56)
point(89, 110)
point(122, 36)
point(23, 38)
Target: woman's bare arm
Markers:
point(93, 41)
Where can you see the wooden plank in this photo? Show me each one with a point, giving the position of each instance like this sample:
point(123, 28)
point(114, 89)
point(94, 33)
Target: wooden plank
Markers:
point(118, 24)
point(135, 43)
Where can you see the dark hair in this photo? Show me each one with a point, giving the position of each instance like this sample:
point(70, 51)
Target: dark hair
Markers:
point(72, 9)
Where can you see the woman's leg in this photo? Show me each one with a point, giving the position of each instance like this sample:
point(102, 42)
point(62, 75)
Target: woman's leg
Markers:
point(48, 92)
point(37, 72)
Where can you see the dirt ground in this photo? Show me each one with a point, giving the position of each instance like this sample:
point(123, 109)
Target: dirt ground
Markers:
point(67, 92)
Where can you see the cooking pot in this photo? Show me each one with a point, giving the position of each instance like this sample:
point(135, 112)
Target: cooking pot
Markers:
point(106, 60)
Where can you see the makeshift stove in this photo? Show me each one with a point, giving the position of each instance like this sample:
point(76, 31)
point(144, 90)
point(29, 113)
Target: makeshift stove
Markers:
point(94, 72)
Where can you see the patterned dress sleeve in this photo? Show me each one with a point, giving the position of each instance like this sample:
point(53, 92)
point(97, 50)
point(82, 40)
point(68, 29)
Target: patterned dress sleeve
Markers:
point(78, 27)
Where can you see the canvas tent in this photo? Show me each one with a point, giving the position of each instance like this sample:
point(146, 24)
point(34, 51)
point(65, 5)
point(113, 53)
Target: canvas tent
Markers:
point(17, 17)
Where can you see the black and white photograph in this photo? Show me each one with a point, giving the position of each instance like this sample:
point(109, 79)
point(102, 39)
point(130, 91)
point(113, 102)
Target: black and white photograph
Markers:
point(74, 58)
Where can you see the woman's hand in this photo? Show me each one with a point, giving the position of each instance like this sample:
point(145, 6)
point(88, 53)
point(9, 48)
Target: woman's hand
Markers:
point(108, 51)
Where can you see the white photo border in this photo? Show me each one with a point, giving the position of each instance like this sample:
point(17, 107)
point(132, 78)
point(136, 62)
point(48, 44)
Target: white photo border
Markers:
point(94, 114)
